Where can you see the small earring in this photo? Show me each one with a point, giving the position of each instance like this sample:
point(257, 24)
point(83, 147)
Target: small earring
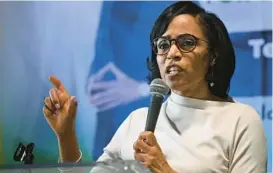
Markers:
point(211, 84)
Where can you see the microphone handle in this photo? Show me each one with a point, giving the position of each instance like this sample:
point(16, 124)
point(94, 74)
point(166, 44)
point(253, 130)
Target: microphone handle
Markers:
point(153, 112)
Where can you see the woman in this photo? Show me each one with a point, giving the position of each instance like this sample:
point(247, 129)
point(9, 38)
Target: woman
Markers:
point(200, 129)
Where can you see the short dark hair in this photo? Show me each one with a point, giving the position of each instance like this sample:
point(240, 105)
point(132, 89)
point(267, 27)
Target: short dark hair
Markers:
point(220, 47)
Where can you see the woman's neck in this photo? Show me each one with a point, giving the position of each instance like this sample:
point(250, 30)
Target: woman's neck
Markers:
point(197, 91)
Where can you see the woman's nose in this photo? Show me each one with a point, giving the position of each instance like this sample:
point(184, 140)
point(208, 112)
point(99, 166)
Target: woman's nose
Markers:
point(174, 52)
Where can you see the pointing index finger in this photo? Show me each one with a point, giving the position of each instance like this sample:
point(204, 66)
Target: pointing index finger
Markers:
point(57, 83)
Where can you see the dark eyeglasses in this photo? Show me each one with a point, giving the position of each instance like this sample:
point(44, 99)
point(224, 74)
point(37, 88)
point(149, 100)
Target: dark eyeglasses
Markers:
point(185, 42)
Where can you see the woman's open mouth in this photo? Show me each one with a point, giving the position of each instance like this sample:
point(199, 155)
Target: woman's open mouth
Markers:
point(173, 70)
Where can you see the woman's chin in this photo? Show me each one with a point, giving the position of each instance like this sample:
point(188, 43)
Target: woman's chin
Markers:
point(173, 84)
point(173, 78)
point(176, 82)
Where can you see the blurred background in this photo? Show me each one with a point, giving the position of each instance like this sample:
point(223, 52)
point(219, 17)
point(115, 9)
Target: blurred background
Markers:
point(99, 51)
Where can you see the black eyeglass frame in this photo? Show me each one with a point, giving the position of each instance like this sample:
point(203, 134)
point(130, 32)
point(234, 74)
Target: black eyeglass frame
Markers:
point(175, 40)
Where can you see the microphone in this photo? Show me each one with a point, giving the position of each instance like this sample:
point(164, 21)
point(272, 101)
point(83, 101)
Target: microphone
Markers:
point(158, 89)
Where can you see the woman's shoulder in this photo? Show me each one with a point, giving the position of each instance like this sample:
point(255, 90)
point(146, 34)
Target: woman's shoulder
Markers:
point(243, 112)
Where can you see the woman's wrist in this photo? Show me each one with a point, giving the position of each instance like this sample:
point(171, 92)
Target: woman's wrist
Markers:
point(66, 136)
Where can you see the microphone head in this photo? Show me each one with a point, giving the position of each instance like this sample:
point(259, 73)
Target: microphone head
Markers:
point(159, 87)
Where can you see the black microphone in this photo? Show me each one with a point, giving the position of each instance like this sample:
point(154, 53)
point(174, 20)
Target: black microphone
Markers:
point(158, 89)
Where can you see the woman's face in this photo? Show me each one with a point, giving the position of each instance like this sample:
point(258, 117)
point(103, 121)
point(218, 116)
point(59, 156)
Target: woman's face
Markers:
point(180, 70)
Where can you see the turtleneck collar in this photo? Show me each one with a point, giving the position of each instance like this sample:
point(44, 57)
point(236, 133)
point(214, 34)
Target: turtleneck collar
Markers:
point(192, 102)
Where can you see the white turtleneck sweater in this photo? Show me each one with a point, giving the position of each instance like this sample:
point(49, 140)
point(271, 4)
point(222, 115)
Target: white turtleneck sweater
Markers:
point(198, 136)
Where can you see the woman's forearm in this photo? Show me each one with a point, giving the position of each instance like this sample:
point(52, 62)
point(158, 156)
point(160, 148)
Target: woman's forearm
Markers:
point(69, 148)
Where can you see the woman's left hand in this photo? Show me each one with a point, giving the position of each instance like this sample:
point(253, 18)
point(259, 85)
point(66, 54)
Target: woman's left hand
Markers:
point(148, 152)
